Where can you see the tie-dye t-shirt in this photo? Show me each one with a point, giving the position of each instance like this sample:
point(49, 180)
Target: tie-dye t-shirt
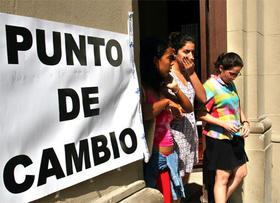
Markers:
point(163, 135)
point(223, 103)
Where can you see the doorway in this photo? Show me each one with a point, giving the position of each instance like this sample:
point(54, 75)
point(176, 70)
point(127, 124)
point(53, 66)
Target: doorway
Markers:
point(160, 18)
point(205, 21)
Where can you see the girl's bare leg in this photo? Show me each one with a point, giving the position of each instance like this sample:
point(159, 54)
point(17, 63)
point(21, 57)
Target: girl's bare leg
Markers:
point(220, 187)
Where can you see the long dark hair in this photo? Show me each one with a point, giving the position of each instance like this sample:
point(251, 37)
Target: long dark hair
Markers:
point(228, 61)
point(150, 75)
point(177, 40)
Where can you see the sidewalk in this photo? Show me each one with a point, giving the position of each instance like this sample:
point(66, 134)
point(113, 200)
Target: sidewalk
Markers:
point(193, 190)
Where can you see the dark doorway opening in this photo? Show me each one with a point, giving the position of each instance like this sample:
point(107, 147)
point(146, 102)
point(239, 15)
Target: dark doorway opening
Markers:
point(205, 21)
point(160, 18)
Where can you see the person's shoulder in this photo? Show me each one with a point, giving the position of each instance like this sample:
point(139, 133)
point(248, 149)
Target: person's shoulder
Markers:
point(211, 82)
point(210, 87)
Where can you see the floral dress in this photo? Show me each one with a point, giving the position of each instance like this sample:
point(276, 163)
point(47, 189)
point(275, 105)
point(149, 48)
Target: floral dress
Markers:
point(184, 132)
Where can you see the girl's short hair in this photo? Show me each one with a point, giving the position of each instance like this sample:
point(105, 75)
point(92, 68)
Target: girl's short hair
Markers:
point(228, 61)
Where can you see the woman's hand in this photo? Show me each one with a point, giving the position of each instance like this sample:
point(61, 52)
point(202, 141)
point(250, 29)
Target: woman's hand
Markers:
point(245, 130)
point(175, 109)
point(178, 96)
point(188, 65)
point(171, 83)
point(230, 127)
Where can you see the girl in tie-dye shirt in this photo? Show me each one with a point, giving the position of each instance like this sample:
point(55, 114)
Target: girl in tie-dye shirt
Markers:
point(226, 127)
point(222, 103)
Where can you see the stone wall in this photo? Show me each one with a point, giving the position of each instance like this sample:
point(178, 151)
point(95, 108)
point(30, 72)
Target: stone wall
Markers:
point(254, 33)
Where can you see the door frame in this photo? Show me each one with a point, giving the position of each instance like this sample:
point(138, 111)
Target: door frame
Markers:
point(213, 34)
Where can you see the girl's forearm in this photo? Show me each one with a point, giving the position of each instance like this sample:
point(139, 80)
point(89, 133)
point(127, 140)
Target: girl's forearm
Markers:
point(183, 101)
point(152, 110)
point(205, 116)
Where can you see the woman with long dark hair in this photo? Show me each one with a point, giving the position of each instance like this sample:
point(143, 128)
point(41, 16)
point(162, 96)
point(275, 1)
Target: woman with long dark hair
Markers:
point(185, 130)
point(159, 108)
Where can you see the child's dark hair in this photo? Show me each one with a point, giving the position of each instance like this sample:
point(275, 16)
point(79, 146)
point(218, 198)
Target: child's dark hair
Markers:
point(177, 40)
point(228, 61)
point(150, 75)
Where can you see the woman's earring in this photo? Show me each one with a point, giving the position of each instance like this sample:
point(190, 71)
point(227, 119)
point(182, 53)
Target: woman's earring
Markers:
point(220, 68)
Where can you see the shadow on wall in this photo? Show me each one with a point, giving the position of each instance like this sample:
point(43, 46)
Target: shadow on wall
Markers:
point(236, 196)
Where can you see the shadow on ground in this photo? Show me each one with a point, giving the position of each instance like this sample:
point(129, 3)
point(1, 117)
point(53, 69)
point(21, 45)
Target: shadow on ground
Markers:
point(193, 192)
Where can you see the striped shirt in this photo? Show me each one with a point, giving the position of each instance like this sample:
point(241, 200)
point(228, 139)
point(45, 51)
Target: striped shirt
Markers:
point(222, 103)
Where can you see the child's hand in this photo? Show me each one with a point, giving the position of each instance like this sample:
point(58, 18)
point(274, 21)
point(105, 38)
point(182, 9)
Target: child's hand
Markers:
point(175, 110)
point(230, 127)
point(188, 65)
point(245, 130)
point(171, 83)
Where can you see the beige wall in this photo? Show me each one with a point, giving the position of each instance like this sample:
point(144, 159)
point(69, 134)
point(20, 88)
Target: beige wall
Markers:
point(109, 15)
point(101, 14)
point(270, 77)
point(253, 30)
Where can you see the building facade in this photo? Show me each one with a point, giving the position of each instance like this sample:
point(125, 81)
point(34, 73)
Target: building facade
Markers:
point(254, 32)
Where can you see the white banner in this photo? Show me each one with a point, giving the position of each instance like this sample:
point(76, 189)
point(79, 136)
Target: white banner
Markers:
point(69, 106)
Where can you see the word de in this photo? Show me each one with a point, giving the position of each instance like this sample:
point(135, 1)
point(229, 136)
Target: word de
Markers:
point(86, 100)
